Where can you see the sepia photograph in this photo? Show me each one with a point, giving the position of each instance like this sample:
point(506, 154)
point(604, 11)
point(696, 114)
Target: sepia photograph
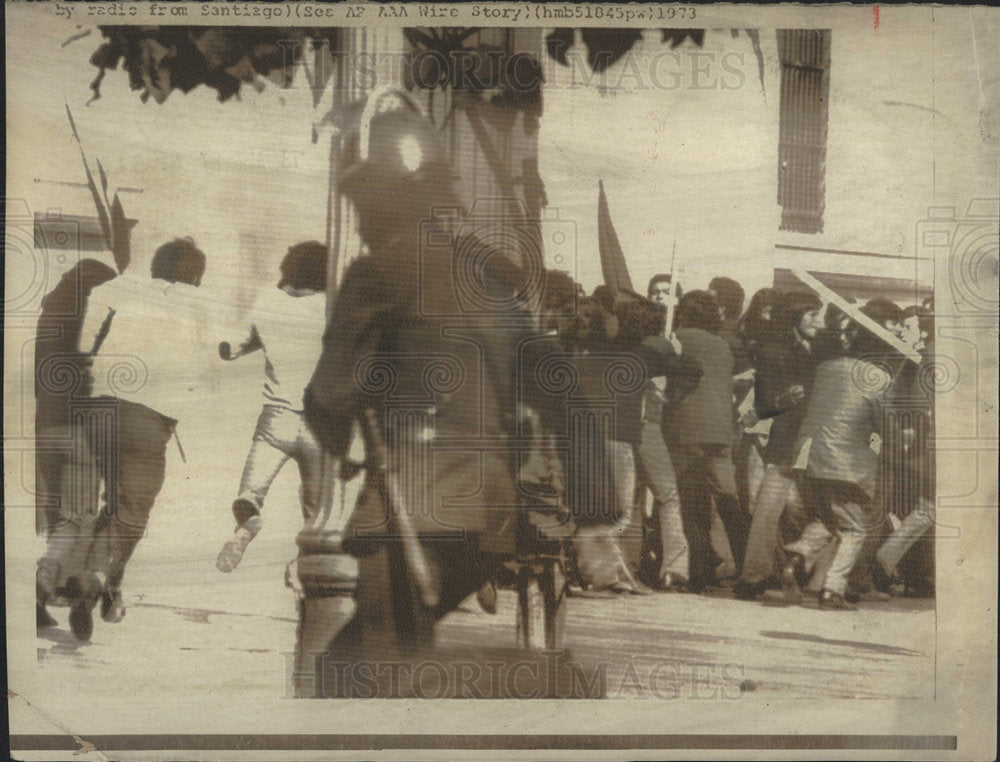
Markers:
point(500, 380)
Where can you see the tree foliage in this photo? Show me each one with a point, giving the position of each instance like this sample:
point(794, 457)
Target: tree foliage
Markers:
point(160, 59)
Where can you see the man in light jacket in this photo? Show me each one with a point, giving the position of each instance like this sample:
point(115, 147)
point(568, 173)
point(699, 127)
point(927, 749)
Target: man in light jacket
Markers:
point(841, 468)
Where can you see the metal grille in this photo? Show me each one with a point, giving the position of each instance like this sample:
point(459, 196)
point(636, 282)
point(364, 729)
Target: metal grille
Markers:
point(805, 91)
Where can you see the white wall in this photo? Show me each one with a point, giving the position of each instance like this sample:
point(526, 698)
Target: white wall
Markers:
point(913, 123)
point(692, 157)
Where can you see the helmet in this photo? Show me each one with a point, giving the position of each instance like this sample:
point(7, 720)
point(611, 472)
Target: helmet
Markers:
point(392, 141)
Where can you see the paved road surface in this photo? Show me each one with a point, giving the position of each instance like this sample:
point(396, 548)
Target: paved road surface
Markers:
point(190, 628)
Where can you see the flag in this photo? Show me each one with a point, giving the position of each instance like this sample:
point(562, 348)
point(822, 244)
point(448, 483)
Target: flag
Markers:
point(613, 265)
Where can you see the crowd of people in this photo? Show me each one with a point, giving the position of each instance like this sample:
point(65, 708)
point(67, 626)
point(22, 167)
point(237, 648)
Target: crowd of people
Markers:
point(787, 449)
point(799, 461)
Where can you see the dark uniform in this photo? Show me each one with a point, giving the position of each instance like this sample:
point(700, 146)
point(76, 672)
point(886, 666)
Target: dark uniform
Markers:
point(421, 350)
point(440, 394)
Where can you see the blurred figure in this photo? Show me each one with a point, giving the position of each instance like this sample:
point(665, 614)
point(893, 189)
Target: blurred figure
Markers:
point(66, 478)
point(913, 467)
point(866, 580)
point(287, 323)
point(729, 295)
point(834, 340)
point(643, 324)
point(423, 543)
point(560, 302)
point(700, 433)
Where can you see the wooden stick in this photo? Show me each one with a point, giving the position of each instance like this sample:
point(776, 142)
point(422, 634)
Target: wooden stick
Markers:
point(672, 298)
point(858, 316)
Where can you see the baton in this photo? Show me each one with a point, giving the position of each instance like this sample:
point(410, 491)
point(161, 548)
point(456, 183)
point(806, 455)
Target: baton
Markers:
point(412, 550)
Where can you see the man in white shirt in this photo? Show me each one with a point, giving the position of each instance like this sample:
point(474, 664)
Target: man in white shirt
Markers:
point(144, 336)
point(287, 323)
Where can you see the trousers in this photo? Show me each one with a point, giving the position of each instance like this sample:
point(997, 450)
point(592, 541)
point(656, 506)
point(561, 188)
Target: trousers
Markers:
point(131, 459)
point(777, 497)
point(850, 509)
point(69, 486)
point(705, 474)
point(655, 471)
point(281, 434)
point(912, 528)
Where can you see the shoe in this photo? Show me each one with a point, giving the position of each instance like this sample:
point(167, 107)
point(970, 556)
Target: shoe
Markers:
point(232, 552)
point(749, 591)
point(790, 578)
point(638, 588)
point(875, 596)
point(881, 579)
point(919, 589)
point(632, 587)
point(831, 601)
point(672, 583)
point(487, 597)
point(83, 592)
point(112, 605)
point(43, 619)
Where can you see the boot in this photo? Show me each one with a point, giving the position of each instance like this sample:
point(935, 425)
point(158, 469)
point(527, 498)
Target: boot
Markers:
point(232, 552)
point(83, 592)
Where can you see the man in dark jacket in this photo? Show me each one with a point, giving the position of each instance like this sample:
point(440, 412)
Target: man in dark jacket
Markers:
point(785, 367)
point(700, 432)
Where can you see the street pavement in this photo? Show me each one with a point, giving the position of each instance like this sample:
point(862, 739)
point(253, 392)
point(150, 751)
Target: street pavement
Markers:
point(189, 628)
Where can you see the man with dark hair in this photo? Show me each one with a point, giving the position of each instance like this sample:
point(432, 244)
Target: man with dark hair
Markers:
point(179, 261)
point(655, 470)
point(560, 300)
point(729, 295)
point(842, 413)
point(886, 313)
point(700, 433)
point(145, 337)
point(785, 367)
point(908, 552)
point(633, 439)
point(287, 323)
point(659, 288)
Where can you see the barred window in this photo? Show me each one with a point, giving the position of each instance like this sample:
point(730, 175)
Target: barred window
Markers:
point(805, 90)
